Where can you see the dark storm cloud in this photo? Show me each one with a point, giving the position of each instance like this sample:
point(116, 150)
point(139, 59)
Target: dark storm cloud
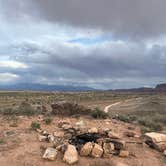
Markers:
point(127, 18)
point(61, 41)
point(102, 62)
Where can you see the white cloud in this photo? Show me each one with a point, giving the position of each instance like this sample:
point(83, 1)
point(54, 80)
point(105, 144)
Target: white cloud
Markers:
point(8, 78)
point(12, 64)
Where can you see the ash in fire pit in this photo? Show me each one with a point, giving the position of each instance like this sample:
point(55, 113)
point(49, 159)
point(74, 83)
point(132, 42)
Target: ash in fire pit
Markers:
point(82, 139)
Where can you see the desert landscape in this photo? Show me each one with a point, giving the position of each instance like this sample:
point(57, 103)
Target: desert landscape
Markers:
point(82, 83)
point(105, 128)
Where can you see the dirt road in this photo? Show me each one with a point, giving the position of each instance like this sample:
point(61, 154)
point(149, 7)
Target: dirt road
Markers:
point(123, 104)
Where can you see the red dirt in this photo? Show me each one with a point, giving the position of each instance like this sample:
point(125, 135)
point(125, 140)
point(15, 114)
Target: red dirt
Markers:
point(22, 148)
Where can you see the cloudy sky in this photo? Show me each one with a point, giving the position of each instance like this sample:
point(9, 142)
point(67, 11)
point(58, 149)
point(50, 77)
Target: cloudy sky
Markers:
point(97, 43)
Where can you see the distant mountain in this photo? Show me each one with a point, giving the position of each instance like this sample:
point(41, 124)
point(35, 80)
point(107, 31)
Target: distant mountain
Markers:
point(142, 89)
point(161, 87)
point(158, 88)
point(65, 88)
point(43, 87)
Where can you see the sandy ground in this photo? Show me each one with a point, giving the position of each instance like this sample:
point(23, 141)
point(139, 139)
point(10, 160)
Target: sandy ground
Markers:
point(22, 148)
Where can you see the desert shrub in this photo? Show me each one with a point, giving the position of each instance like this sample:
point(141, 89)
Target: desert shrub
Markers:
point(68, 109)
point(23, 109)
point(145, 130)
point(26, 109)
point(159, 118)
point(9, 111)
point(2, 141)
point(35, 125)
point(125, 118)
point(98, 114)
point(48, 120)
point(149, 123)
point(13, 121)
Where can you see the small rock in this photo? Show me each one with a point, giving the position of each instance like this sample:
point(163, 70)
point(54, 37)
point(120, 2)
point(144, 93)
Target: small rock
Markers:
point(137, 136)
point(120, 164)
point(100, 141)
point(113, 135)
point(103, 132)
point(68, 136)
point(50, 154)
point(59, 134)
point(86, 149)
point(40, 118)
point(93, 130)
point(45, 133)
point(164, 153)
point(66, 127)
point(80, 124)
point(62, 148)
point(108, 148)
point(61, 123)
point(39, 131)
point(81, 130)
point(130, 134)
point(71, 155)
point(124, 153)
point(97, 151)
point(119, 144)
point(57, 142)
point(51, 138)
point(42, 138)
point(131, 128)
point(106, 130)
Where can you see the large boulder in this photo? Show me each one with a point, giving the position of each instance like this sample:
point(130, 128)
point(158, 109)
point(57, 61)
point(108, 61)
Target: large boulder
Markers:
point(156, 140)
point(86, 149)
point(71, 155)
point(97, 151)
point(50, 154)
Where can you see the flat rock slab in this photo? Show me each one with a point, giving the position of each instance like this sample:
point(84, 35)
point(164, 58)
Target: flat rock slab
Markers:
point(50, 154)
point(156, 140)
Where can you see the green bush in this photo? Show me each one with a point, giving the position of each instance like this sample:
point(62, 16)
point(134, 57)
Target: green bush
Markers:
point(13, 121)
point(149, 123)
point(98, 114)
point(9, 111)
point(26, 109)
point(145, 130)
point(48, 120)
point(69, 109)
point(2, 141)
point(125, 118)
point(35, 125)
